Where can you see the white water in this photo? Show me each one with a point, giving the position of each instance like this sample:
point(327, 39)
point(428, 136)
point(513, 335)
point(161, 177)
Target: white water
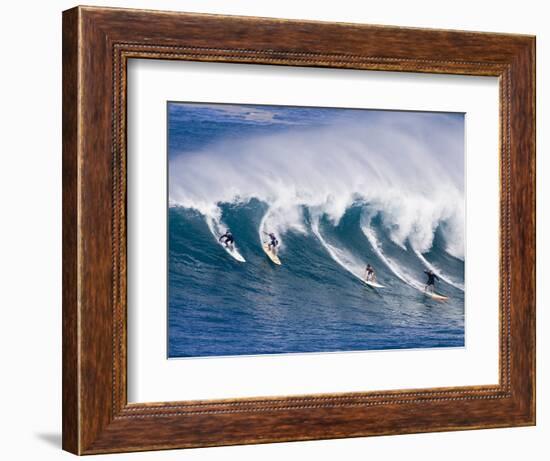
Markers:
point(263, 229)
point(281, 219)
point(408, 172)
point(390, 263)
point(342, 257)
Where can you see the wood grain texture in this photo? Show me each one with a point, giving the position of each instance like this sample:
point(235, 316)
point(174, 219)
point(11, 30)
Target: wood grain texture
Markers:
point(97, 43)
point(70, 384)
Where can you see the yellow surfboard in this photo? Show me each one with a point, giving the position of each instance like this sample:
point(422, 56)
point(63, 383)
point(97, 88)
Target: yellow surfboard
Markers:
point(271, 255)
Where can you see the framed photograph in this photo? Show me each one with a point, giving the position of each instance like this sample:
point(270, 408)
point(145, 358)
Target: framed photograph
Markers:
point(280, 230)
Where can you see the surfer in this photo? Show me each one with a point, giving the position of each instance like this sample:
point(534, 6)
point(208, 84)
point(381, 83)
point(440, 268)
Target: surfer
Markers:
point(430, 283)
point(273, 242)
point(370, 276)
point(227, 239)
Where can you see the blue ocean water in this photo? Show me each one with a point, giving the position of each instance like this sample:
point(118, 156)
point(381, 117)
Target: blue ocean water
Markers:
point(315, 301)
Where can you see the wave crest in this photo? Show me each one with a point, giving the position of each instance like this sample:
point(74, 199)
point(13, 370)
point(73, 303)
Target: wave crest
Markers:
point(410, 176)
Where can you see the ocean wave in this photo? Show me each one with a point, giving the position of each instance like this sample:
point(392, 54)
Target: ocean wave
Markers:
point(406, 176)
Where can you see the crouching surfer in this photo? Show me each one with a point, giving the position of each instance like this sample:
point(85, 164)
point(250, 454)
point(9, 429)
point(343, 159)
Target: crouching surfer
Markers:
point(227, 239)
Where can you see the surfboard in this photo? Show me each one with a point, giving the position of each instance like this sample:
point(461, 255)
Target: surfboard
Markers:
point(436, 296)
point(232, 250)
point(373, 284)
point(274, 258)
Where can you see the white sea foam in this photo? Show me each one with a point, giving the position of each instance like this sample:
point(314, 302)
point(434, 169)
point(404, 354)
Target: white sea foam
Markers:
point(344, 258)
point(398, 271)
point(280, 219)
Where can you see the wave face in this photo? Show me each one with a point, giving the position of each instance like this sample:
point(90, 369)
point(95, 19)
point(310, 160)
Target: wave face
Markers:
point(385, 189)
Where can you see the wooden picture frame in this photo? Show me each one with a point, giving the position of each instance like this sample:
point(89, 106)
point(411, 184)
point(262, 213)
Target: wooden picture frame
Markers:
point(97, 44)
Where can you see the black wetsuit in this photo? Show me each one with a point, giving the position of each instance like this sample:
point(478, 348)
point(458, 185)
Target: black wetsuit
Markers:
point(274, 241)
point(431, 278)
point(228, 238)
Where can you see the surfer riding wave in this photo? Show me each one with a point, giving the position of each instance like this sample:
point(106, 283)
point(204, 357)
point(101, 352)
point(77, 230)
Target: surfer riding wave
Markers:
point(273, 243)
point(430, 283)
point(370, 275)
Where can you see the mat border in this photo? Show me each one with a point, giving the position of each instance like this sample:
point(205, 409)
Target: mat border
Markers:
point(97, 44)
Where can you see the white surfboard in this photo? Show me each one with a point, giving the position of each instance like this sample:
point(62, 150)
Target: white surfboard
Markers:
point(436, 296)
point(232, 250)
point(373, 284)
point(271, 255)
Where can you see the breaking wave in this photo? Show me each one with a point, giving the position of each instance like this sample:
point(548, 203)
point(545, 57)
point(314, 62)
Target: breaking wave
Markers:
point(405, 177)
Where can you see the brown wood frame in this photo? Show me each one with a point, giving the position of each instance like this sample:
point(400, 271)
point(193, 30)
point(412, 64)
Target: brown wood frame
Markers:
point(97, 43)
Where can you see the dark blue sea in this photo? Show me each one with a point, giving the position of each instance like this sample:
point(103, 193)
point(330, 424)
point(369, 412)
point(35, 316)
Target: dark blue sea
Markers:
point(315, 301)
